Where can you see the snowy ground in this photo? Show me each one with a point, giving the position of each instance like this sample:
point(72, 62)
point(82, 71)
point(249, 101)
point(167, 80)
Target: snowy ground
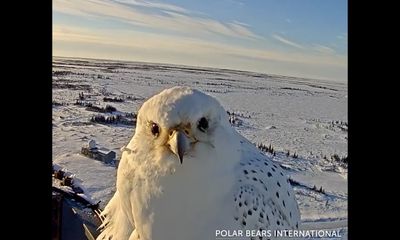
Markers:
point(302, 116)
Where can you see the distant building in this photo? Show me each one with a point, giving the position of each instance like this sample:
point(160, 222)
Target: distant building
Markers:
point(102, 154)
point(106, 155)
point(92, 144)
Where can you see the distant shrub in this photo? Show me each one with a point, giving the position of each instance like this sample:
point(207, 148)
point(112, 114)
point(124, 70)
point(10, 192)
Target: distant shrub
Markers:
point(314, 188)
point(238, 114)
point(114, 119)
point(130, 115)
point(345, 160)
point(115, 99)
point(320, 190)
point(83, 103)
point(61, 73)
point(294, 182)
point(341, 160)
point(90, 107)
point(81, 96)
point(55, 103)
point(264, 148)
point(134, 98)
point(335, 157)
point(110, 108)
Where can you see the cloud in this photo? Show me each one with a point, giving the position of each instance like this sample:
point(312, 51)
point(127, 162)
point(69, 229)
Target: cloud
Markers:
point(342, 37)
point(241, 23)
point(165, 17)
point(324, 49)
point(243, 30)
point(286, 41)
point(236, 2)
point(152, 4)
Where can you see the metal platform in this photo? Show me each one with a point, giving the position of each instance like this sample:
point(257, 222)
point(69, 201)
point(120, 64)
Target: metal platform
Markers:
point(73, 217)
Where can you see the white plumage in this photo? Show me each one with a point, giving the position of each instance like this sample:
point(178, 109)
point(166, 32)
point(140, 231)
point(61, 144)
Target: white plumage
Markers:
point(187, 173)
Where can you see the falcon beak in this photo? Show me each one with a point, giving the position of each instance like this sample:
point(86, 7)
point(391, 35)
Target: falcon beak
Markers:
point(178, 143)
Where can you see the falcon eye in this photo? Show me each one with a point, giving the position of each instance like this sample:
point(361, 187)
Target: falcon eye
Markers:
point(155, 129)
point(203, 124)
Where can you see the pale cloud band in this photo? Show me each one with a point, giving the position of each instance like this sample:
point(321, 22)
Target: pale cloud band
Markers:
point(163, 17)
point(286, 41)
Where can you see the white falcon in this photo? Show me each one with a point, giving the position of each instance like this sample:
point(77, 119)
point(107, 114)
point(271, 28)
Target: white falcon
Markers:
point(187, 173)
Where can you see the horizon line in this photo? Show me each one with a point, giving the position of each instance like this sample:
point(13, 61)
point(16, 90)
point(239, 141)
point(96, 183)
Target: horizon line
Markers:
point(209, 67)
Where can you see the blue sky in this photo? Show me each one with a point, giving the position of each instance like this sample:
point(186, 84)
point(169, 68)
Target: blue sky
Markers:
point(304, 38)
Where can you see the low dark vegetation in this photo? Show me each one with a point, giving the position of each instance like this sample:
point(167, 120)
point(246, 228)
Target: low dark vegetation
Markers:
point(293, 156)
point(61, 73)
point(344, 126)
point(55, 103)
point(235, 118)
point(115, 119)
point(235, 121)
point(114, 99)
point(65, 73)
point(217, 91)
point(314, 188)
point(320, 190)
point(133, 98)
point(83, 103)
point(336, 158)
point(84, 87)
point(106, 109)
point(131, 115)
point(218, 84)
point(238, 114)
point(268, 149)
point(294, 89)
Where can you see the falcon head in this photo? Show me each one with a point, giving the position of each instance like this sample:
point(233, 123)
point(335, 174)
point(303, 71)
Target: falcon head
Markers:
point(178, 120)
